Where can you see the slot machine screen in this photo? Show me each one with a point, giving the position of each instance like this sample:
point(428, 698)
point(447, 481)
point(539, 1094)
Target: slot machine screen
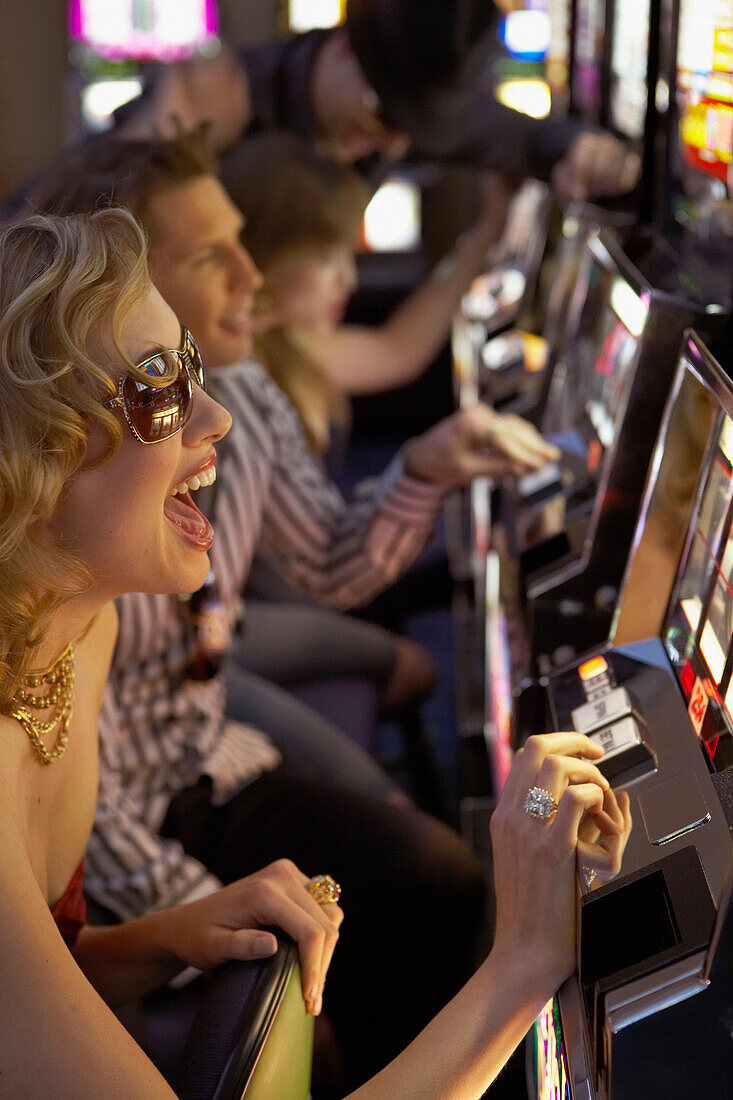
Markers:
point(705, 85)
point(590, 29)
point(674, 475)
point(630, 46)
point(600, 361)
point(699, 623)
point(551, 1064)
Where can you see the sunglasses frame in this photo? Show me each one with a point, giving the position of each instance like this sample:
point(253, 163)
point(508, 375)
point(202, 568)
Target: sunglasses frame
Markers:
point(186, 364)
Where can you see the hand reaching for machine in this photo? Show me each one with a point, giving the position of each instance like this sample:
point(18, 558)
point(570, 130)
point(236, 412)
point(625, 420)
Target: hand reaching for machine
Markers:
point(476, 442)
point(596, 166)
point(536, 853)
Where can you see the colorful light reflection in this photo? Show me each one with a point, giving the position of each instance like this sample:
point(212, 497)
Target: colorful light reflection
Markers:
point(550, 1056)
point(143, 30)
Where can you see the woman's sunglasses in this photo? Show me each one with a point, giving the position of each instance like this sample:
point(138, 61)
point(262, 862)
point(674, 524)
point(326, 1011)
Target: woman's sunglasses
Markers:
point(156, 413)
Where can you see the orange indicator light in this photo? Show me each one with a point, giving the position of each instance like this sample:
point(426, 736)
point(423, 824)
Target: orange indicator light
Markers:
point(595, 667)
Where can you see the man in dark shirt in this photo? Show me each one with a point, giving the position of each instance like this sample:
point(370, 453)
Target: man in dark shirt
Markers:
point(400, 78)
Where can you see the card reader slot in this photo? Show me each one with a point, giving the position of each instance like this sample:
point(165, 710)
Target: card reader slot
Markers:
point(639, 925)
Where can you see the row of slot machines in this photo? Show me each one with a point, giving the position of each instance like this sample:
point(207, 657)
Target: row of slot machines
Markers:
point(597, 594)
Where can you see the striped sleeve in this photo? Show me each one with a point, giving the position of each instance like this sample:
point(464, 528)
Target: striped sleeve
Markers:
point(128, 868)
point(341, 552)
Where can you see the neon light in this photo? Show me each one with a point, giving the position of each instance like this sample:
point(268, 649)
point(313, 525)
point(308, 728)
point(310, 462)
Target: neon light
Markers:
point(529, 97)
point(392, 221)
point(156, 29)
point(102, 97)
point(526, 34)
point(596, 666)
point(306, 15)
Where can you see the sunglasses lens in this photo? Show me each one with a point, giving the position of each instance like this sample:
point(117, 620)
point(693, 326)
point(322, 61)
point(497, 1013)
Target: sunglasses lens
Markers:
point(158, 413)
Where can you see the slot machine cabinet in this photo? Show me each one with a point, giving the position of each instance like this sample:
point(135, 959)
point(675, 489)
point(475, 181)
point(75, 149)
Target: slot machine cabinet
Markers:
point(693, 192)
point(649, 940)
point(571, 525)
point(597, 77)
point(505, 290)
point(630, 106)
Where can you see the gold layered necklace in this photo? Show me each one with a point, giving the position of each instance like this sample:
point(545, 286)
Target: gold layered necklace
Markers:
point(57, 684)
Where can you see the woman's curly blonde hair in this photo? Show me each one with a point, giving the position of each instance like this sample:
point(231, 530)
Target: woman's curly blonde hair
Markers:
point(64, 283)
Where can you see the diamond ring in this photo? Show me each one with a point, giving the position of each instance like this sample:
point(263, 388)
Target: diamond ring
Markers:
point(539, 803)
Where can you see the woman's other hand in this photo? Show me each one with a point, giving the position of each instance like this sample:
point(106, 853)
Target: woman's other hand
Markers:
point(227, 925)
point(535, 859)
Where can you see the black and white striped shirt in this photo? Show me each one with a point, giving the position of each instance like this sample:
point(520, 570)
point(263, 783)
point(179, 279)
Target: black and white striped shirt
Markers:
point(159, 734)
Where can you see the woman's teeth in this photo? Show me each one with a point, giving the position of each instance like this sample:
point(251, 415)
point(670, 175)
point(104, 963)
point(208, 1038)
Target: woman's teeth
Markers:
point(196, 481)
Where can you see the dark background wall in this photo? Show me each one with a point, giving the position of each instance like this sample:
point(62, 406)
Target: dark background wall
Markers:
point(34, 69)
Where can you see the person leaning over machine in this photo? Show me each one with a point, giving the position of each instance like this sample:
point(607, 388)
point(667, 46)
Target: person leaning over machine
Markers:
point(400, 79)
point(170, 762)
point(103, 414)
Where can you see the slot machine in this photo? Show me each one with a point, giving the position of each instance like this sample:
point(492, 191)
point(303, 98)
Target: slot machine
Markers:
point(504, 292)
point(571, 524)
point(512, 363)
point(694, 193)
point(648, 1011)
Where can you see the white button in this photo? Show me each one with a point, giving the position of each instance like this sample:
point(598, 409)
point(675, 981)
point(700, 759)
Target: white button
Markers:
point(529, 484)
point(601, 688)
point(599, 712)
point(617, 737)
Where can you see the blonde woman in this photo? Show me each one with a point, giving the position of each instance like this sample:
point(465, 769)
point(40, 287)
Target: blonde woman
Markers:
point(303, 212)
point(102, 418)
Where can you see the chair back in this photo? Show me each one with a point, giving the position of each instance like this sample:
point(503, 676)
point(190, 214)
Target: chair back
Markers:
point(252, 1037)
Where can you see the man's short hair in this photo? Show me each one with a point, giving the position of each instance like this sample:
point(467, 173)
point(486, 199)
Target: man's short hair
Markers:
point(112, 171)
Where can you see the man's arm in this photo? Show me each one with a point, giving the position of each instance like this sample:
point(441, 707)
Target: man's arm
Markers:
point(478, 131)
point(343, 553)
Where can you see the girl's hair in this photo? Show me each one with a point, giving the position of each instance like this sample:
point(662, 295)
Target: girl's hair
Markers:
point(295, 200)
point(64, 281)
point(292, 197)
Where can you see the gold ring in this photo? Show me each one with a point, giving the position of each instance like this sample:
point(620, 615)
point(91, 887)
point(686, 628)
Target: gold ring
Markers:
point(324, 890)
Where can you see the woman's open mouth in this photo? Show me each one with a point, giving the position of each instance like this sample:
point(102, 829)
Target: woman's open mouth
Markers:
point(181, 512)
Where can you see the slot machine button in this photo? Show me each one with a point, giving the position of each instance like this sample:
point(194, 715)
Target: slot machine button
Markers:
point(617, 736)
point(624, 748)
point(601, 687)
point(601, 711)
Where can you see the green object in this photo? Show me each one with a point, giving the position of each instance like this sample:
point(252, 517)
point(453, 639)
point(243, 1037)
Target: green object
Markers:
point(284, 1066)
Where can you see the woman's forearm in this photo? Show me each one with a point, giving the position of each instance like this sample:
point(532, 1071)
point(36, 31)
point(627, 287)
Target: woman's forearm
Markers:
point(464, 1048)
point(126, 961)
point(363, 360)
